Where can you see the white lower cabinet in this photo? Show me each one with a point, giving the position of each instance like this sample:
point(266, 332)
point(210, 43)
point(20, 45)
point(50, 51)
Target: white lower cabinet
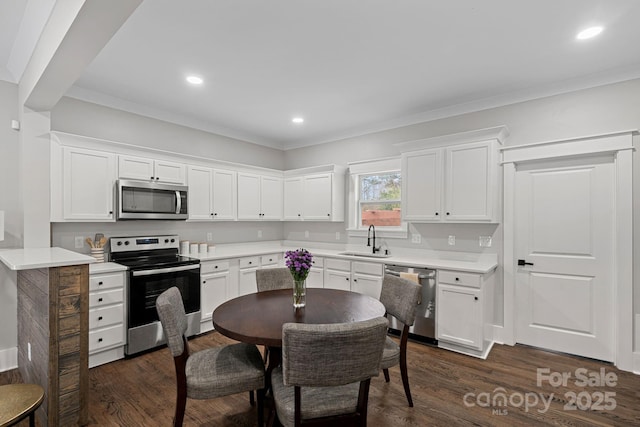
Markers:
point(106, 317)
point(216, 286)
point(464, 302)
point(247, 279)
point(315, 279)
point(356, 276)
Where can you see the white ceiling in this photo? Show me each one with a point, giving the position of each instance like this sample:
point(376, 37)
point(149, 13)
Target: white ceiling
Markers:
point(348, 67)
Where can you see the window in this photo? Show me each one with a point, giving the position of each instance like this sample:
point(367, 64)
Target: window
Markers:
point(375, 198)
point(379, 200)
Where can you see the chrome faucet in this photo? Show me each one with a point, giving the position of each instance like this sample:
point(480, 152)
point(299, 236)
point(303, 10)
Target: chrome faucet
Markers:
point(372, 232)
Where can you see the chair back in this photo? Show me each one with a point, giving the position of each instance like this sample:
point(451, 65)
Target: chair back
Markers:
point(173, 318)
point(400, 298)
point(269, 279)
point(332, 354)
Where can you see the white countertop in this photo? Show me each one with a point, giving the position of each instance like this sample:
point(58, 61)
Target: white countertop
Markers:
point(459, 261)
point(30, 258)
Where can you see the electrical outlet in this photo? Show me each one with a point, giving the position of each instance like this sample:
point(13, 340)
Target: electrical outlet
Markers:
point(79, 242)
point(452, 240)
point(259, 234)
point(29, 351)
point(484, 241)
point(337, 235)
point(306, 234)
point(209, 237)
point(416, 238)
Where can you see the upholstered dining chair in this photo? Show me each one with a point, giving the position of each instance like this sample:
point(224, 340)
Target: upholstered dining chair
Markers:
point(269, 279)
point(212, 372)
point(400, 298)
point(326, 372)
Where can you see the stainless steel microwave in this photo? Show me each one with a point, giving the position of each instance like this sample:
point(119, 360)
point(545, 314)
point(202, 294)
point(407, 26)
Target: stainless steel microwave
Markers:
point(150, 200)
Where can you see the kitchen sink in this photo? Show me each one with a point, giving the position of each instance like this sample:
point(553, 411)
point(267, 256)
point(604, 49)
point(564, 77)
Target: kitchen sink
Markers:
point(365, 254)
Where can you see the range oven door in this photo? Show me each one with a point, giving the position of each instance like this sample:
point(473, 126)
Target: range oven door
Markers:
point(146, 285)
point(144, 330)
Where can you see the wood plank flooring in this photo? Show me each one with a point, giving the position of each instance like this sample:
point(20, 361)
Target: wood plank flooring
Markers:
point(140, 391)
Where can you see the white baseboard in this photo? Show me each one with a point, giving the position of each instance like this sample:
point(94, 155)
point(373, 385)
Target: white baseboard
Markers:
point(8, 359)
point(636, 363)
point(497, 333)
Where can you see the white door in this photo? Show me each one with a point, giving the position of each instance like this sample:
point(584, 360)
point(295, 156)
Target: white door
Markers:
point(317, 198)
point(200, 193)
point(271, 197)
point(224, 195)
point(564, 228)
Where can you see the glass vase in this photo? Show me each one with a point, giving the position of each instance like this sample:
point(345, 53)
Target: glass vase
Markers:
point(299, 293)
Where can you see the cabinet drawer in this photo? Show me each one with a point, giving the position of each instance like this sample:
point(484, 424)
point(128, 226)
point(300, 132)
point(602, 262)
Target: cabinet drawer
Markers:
point(213, 267)
point(471, 280)
point(101, 317)
point(338, 264)
point(99, 299)
point(318, 262)
point(270, 259)
point(372, 268)
point(249, 262)
point(105, 281)
point(107, 337)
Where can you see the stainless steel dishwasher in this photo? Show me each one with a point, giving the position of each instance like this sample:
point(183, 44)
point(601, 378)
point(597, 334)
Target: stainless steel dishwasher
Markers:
point(424, 327)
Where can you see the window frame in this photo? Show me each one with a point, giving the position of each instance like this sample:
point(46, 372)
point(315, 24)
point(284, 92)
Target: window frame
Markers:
point(371, 167)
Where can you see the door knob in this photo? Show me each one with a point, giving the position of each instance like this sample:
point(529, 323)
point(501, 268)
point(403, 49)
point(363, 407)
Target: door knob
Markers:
point(522, 263)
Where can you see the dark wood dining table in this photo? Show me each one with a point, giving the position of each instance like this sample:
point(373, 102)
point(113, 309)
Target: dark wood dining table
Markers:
point(258, 318)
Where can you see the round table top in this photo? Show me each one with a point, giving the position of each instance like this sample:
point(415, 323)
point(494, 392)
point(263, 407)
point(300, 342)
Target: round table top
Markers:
point(18, 400)
point(258, 318)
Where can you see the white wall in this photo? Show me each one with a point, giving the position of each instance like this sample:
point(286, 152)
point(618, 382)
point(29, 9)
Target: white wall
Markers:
point(10, 204)
point(592, 111)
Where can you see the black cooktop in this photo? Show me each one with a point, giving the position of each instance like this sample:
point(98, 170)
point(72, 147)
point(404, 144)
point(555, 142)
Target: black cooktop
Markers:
point(148, 262)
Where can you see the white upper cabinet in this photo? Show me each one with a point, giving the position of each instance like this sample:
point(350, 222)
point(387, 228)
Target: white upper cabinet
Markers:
point(314, 196)
point(88, 179)
point(260, 197)
point(458, 181)
point(132, 167)
point(212, 194)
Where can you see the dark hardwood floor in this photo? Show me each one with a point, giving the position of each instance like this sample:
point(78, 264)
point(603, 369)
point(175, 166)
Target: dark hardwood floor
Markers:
point(140, 391)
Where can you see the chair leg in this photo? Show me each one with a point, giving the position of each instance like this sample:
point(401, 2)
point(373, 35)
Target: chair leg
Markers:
point(386, 375)
point(261, 393)
point(181, 403)
point(252, 400)
point(405, 378)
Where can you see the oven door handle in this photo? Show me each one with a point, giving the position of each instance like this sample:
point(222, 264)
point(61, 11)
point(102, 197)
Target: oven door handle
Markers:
point(164, 270)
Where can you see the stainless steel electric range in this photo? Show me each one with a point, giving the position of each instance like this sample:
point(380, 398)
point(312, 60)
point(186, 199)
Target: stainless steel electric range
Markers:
point(155, 265)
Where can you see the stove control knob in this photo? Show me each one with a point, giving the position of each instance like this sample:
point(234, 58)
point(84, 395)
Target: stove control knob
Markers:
point(126, 243)
point(167, 240)
point(173, 240)
point(119, 243)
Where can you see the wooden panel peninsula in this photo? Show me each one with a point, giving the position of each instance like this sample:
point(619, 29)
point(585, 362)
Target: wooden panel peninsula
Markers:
point(53, 325)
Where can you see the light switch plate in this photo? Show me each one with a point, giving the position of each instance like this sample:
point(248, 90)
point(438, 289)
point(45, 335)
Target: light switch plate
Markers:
point(306, 234)
point(79, 242)
point(416, 238)
point(452, 240)
point(337, 235)
point(209, 237)
point(259, 234)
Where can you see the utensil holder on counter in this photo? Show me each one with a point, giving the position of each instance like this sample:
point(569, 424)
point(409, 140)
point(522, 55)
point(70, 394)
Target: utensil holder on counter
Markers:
point(98, 254)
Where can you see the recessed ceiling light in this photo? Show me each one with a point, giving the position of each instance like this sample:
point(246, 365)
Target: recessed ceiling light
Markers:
point(297, 120)
point(194, 80)
point(588, 33)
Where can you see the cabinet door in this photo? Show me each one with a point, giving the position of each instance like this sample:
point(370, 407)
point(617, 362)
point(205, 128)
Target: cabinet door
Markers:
point(421, 186)
point(367, 285)
point(315, 278)
point(249, 196)
point(334, 279)
point(200, 193)
point(224, 195)
point(271, 198)
point(88, 182)
point(213, 291)
point(247, 282)
point(131, 167)
point(170, 172)
point(459, 316)
point(317, 198)
point(293, 198)
point(468, 191)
